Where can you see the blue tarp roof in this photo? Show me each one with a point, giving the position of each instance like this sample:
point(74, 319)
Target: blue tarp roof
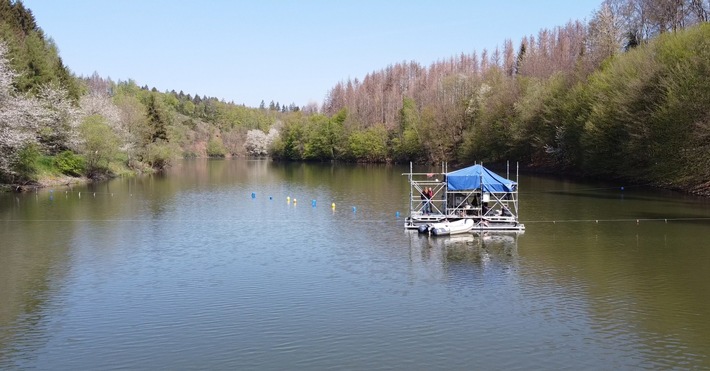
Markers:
point(477, 176)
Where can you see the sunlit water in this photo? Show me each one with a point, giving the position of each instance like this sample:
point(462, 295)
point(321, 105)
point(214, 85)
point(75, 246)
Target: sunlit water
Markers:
point(190, 271)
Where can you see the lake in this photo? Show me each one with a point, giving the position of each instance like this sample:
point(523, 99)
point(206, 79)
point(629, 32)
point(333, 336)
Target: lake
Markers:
point(209, 267)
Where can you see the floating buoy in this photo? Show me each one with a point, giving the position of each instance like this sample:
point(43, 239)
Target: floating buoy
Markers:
point(622, 188)
point(294, 200)
point(396, 214)
point(270, 198)
point(79, 194)
point(253, 195)
point(94, 194)
point(332, 206)
point(288, 200)
point(313, 203)
point(354, 209)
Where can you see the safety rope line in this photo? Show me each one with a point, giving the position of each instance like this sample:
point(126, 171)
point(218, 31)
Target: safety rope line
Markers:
point(620, 188)
point(615, 220)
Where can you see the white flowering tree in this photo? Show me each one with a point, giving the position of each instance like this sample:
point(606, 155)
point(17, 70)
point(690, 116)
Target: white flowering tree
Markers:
point(100, 103)
point(273, 135)
point(58, 130)
point(18, 119)
point(47, 121)
point(258, 143)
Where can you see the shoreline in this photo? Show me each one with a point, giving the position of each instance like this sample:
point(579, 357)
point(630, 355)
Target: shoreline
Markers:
point(54, 181)
point(700, 190)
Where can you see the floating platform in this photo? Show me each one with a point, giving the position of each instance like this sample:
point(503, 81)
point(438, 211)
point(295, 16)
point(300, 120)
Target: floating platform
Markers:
point(475, 193)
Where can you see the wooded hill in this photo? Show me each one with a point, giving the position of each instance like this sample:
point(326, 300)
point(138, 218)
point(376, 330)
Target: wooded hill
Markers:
point(623, 96)
point(54, 124)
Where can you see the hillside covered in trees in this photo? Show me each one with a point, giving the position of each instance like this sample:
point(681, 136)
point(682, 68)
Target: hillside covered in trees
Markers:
point(54, 125)
point(623, 95)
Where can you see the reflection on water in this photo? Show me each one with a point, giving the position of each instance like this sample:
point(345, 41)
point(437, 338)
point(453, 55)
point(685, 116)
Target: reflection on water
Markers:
point(470, 251)
point(187, 270)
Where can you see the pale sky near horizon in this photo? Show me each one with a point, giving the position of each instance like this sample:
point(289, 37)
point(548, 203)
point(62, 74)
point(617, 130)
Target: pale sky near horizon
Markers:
point(285, 51)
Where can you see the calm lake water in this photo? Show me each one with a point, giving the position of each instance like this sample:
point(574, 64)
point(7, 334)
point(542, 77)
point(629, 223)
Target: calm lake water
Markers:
point(188, 271)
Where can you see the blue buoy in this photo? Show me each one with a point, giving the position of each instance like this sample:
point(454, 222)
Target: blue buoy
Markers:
point(622, 188)
point(354, 209)
point(313, 203)
point(270, 198)
point(253, 195)
point(396, 214)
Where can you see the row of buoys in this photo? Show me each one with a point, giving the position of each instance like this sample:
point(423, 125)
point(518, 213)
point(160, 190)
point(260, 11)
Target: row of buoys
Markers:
point(253, 196)
point(313, 203)
point(66, 194)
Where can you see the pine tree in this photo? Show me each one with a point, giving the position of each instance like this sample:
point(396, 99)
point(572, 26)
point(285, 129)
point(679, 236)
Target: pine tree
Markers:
point(158, 119)
point(32, 55)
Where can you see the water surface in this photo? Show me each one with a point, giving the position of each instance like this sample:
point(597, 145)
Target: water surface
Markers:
point(188, 270)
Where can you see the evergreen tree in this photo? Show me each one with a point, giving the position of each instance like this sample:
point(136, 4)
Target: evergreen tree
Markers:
point(158, 119)
point(32, 55)
point(521, 58)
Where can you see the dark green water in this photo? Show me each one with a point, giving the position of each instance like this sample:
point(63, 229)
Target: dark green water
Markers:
point(188, 271)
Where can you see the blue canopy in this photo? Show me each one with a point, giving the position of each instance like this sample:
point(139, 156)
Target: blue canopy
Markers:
point(477, 176)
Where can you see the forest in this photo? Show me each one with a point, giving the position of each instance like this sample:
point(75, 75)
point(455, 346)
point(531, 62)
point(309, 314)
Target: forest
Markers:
point(623, 95)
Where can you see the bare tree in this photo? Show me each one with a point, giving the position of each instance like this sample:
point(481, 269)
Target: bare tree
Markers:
point(310, 108)
point(606, 32)
point(99, 86)
point(508, 57)
point(700, 9)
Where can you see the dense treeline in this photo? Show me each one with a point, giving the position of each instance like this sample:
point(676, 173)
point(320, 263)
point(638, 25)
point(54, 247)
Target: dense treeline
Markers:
point(620, 96)
point(623, 95)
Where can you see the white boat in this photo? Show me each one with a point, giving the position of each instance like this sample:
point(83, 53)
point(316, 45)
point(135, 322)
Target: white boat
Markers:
point(451, 228)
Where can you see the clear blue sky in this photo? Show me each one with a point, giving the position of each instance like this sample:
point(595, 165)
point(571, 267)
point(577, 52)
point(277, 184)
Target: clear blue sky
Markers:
point(285, 51)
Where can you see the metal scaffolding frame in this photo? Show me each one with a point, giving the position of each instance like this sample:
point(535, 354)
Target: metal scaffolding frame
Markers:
point(489, 209)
